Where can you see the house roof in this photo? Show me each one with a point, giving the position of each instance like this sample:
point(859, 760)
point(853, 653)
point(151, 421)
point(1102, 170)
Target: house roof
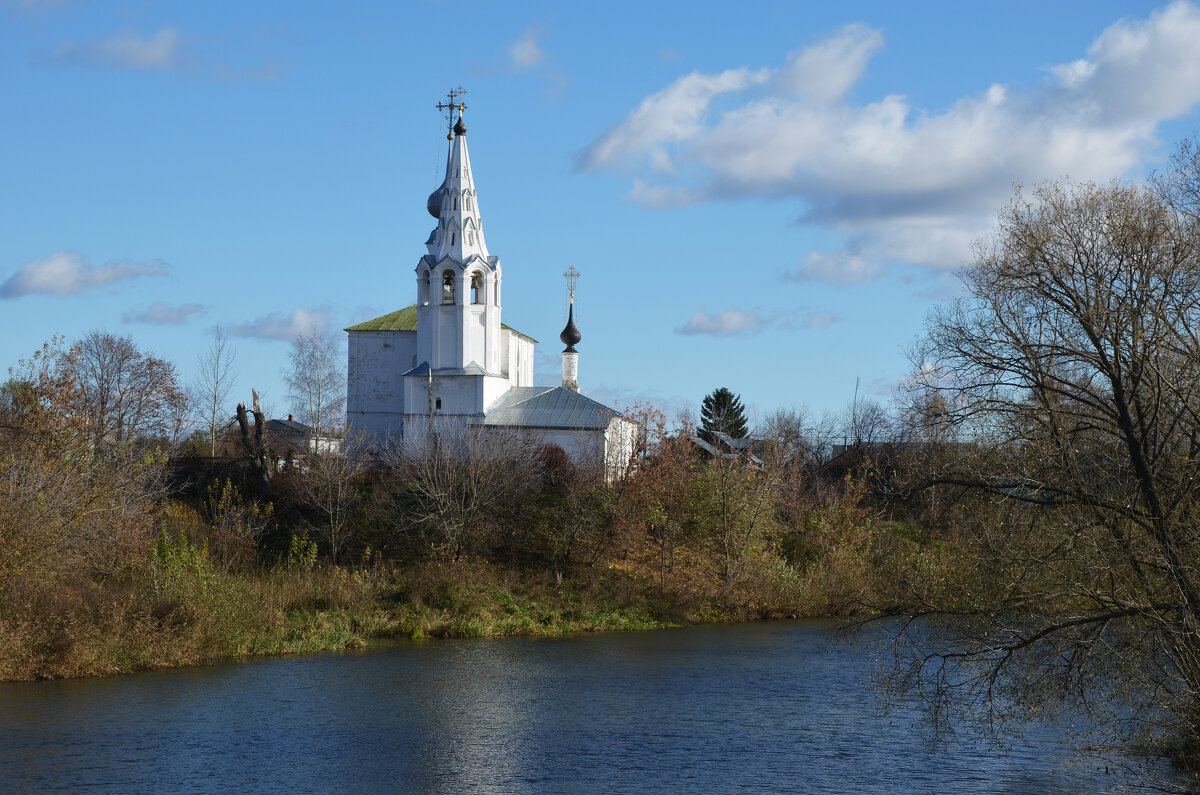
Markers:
point(405, 320)
point(550, 407)
point(288, 426)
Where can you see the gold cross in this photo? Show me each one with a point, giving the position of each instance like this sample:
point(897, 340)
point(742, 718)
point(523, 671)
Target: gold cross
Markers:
point(452, 105)
point(572, 277)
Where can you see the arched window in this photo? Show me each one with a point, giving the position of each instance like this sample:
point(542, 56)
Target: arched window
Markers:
point(425, 289)
point(477, 292)
point(448, 287)
point(456, 202)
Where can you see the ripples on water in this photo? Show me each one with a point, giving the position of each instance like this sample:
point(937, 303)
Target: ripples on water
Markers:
point(757, 707)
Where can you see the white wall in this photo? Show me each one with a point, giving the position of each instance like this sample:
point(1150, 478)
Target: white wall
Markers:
point(374, 386)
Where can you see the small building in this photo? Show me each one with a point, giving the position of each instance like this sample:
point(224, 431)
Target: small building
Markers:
point(292, 440)
point(448, 360)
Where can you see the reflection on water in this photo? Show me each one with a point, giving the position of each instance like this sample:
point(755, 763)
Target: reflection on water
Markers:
point(761, 707)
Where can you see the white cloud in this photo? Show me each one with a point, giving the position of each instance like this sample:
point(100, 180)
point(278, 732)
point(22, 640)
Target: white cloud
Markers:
point(742, 322)
point(67, 273)
point(278, 326)
point(835, 267)
point(162, 314)
point(725, 324)
point(525, 53)
point(126, 50)
point(673, 115)
point(826, 71)
point(167, 50)
point(820, 320)
point(898, 182)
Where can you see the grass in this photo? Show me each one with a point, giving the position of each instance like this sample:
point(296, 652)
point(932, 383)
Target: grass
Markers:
point(185, 609)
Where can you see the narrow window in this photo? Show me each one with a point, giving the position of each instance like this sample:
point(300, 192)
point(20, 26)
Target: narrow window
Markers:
point(456, 202)
point(437, 403)
point(476, 288)
point(471, 238)
point(448, 287)
point(453, 235)
point(425, 290)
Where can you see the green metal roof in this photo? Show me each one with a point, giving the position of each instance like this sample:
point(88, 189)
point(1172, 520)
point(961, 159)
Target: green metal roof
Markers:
point(401, 320)
point(404, 320)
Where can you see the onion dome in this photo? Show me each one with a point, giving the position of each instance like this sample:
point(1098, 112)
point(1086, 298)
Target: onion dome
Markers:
point(434, 204)
point(570, 335)
point(459, 127)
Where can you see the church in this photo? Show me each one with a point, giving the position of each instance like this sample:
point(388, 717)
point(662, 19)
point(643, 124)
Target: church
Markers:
point(448, 361)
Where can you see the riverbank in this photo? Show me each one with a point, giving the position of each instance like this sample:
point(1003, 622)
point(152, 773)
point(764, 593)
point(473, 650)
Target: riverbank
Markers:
point(186, 609)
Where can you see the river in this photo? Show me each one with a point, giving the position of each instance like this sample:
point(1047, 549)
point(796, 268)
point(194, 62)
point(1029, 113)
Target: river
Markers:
point(766, 707)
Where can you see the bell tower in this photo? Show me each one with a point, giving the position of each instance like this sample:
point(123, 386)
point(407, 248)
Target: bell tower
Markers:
point(458, 280)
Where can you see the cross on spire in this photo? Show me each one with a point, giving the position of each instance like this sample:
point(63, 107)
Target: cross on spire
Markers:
point(454, 97)
point(572, 277)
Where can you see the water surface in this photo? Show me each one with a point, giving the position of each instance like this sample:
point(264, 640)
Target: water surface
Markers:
point(767, 707)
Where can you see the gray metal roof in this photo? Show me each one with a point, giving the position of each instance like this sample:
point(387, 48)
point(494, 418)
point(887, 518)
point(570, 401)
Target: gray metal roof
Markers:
point(549, 407)
point(471, 369)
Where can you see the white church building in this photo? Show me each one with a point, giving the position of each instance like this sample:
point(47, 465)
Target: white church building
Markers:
point(448, 361)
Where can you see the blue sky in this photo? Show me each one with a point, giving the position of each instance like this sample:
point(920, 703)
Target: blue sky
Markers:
point(768, 201)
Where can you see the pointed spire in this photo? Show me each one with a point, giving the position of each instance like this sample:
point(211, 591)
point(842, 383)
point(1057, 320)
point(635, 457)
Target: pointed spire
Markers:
point(459, 234)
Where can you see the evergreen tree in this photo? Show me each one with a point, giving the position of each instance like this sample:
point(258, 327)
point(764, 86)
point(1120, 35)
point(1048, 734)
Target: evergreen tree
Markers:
point(723, 411)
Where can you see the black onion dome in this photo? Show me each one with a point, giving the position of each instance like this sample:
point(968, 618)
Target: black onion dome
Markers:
point(459, 127)
point(434, 204)
point(570, 335)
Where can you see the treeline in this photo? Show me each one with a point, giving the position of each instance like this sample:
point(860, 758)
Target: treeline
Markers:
point(125, 546)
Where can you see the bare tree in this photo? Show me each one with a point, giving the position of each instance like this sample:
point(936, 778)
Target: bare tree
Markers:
point(865, 421)
point(212, 387)
point(317, 381)
point(466, 482)
point(66, 510)
point(330, 483)
point(129, 394)
point(254, 446)
point(1065, 389)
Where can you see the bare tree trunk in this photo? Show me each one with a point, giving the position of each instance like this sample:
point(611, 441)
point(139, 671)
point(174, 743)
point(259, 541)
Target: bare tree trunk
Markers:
point(254, 444)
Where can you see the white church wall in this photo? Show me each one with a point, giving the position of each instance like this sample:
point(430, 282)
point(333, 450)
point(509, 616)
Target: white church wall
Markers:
point(374, 385)
point(517, 362)
point(491, 390)
point(449, 340)
point(453, 395)
point(378, 426)
point(376, 361)
point(475, 340)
